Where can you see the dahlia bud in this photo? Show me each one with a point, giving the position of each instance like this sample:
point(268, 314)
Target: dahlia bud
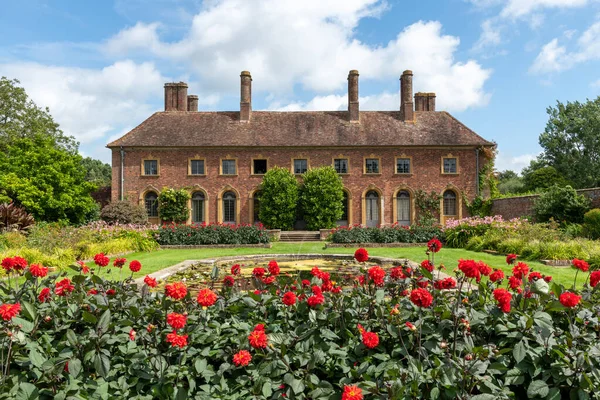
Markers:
point(150, 328)
point(468, 357)
point(47, 318)
point(443, 344)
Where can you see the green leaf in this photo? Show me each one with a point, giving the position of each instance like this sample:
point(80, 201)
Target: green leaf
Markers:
point(75, 367)
point(181, 393)
point(89, 317)
point(519, 352)
point(296, 384)
point(200, 365)
point(36, 358)
point(379, 296)
point(554, 394)
point(484, 396)
point(26, 326)
point(104, 322)
point(537, 388)
point(71, 337)
point(27, 391)
point(540, 286)
point(102, 365)
point(29, 310)
point(266, 389)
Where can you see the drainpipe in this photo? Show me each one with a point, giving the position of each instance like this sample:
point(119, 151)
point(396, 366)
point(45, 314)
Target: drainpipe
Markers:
point(122, 175)
point(477, 171)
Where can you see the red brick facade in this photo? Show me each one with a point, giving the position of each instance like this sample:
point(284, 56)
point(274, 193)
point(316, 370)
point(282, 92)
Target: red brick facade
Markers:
point(318, 137)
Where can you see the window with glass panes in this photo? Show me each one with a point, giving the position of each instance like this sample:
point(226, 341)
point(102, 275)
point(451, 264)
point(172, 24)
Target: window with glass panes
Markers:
point(372, 165)
point(450, 165)
point(151, 203)
point(198, 207)
point(228, 167)
point(259, 167)
point(300, 165)
point(341, 165)
point(403, 165)
point(229, 208)
point(197, 167)
point(150, 167)
point(449, 203)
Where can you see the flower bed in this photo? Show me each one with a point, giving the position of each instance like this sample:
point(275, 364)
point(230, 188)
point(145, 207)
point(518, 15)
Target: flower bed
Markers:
point(181, 234)
point(390, 234)
point(400, 333)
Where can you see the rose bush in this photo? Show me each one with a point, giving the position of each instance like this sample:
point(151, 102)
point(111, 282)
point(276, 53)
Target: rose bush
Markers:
point(409, 333)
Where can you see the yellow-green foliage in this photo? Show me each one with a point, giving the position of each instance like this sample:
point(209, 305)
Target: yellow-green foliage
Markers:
point(87, 250)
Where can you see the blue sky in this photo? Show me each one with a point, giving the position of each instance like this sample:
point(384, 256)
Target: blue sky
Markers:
point(494, 64)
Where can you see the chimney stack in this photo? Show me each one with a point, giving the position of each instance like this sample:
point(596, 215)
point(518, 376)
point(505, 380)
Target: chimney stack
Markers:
point(424, 101)
point(430, 101)
point(246, 96)
point(406, 103)
point(192, 102)
point(353, 96)
point(176, 96)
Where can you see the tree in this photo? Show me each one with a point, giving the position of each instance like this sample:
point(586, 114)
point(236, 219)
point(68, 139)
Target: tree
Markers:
point(279, 199)
point(97, 172)
point(40, 169)
point(571, 141)
point(543, 178)
point(562, 204)
point(506, 175)
point(173, 205)
point(321, 198)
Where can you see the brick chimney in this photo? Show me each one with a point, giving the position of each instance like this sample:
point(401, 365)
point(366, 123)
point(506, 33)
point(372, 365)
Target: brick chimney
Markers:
point(406, 103)
point(424, 101)
point(192, 102)
point(176, 96)
point(430, 101)
point(353, 114)
point(246, 96)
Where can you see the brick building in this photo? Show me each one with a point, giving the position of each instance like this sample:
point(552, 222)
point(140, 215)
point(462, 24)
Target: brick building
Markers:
point(383, 157)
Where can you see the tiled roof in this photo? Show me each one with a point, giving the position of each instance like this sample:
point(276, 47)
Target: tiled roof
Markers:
point(291, 129)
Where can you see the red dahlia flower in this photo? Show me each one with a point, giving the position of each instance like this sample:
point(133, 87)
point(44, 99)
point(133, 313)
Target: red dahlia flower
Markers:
point(64, 287)
point(111, 292)
point(361, 255)
point(228, 281)
point(377, 275)
point(580, 265)
point(520, 270)
point(289, 299)
point(594, 278)
point(534, 275)
point(315, 300)
point(9, 311)
point(273, 268)
point(569, 299)
point(132, 334)
point(410, 326)
point(370, 339)
point(434, 245)
point(269, 280)
point(176, 290)
point(38, 270)
point(548, 278)
point(92, 292)
point(258, 272)
point(206, 297)
point(150, 281)
point(484, 269)
point(177, 340)
point(514, 282)
point(101, 260)
point(242, 358)
point(135, 266)
point(235, 269)
point(511, 258)
point(427, 265)
point(258, 339)
point(445, 284)
point(259, 327)
point(352, 392)
point(503, 297)
point(497, 275)
point(469, 268)
point(19, 263)
point(44, 295)
point(119, 262)
point(397, 273)
point(421, 297)
point(176, 321)
point(8, 264)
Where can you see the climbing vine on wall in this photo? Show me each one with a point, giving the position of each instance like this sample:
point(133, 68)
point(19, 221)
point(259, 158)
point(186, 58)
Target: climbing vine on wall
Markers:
point(428, 206)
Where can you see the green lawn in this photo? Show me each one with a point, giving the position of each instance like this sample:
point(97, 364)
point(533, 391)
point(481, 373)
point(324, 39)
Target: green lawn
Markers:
point(154, 261)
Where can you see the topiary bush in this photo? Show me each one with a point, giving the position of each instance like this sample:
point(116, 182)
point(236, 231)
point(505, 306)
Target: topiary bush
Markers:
point(390, 234)
point(173, 205)
point(279, 199)
point(562, 204)
point(321, 198)
point(591, 224)
point(177, 235)
point(124, 212)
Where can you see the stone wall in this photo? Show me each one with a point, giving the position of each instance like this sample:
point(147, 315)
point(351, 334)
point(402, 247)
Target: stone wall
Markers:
point(522, 206)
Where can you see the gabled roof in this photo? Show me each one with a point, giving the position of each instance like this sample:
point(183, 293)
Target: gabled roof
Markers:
point(298, 129)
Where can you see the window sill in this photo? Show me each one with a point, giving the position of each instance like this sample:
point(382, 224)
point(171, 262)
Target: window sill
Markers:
point(228, 174)
point(192, 175)
point(404, 174)
point(372, 173)
point(150, 176)
point(450, 173)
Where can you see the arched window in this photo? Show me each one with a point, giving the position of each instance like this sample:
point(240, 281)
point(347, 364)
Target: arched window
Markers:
point(403, 207)
point(256, 206)
point(151, 203)
point(450, 203)
point(198, 202)
point(343, 221)
point(372, 209)
point(229, 203)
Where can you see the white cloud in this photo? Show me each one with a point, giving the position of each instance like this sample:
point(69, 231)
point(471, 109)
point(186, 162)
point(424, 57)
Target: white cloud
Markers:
point(490, 35)
point(555, 57)
point(286, 42)
point(505, 161)
point(521, 8)
point(90, 104)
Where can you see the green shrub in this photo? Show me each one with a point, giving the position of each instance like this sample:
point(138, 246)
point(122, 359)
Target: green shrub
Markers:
point(177, 235)
point(173, 205)
point(389, 234)
point(562, 204)
point(279, 199)
point(124, 212)
point(321, 198)
point(591, 224)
